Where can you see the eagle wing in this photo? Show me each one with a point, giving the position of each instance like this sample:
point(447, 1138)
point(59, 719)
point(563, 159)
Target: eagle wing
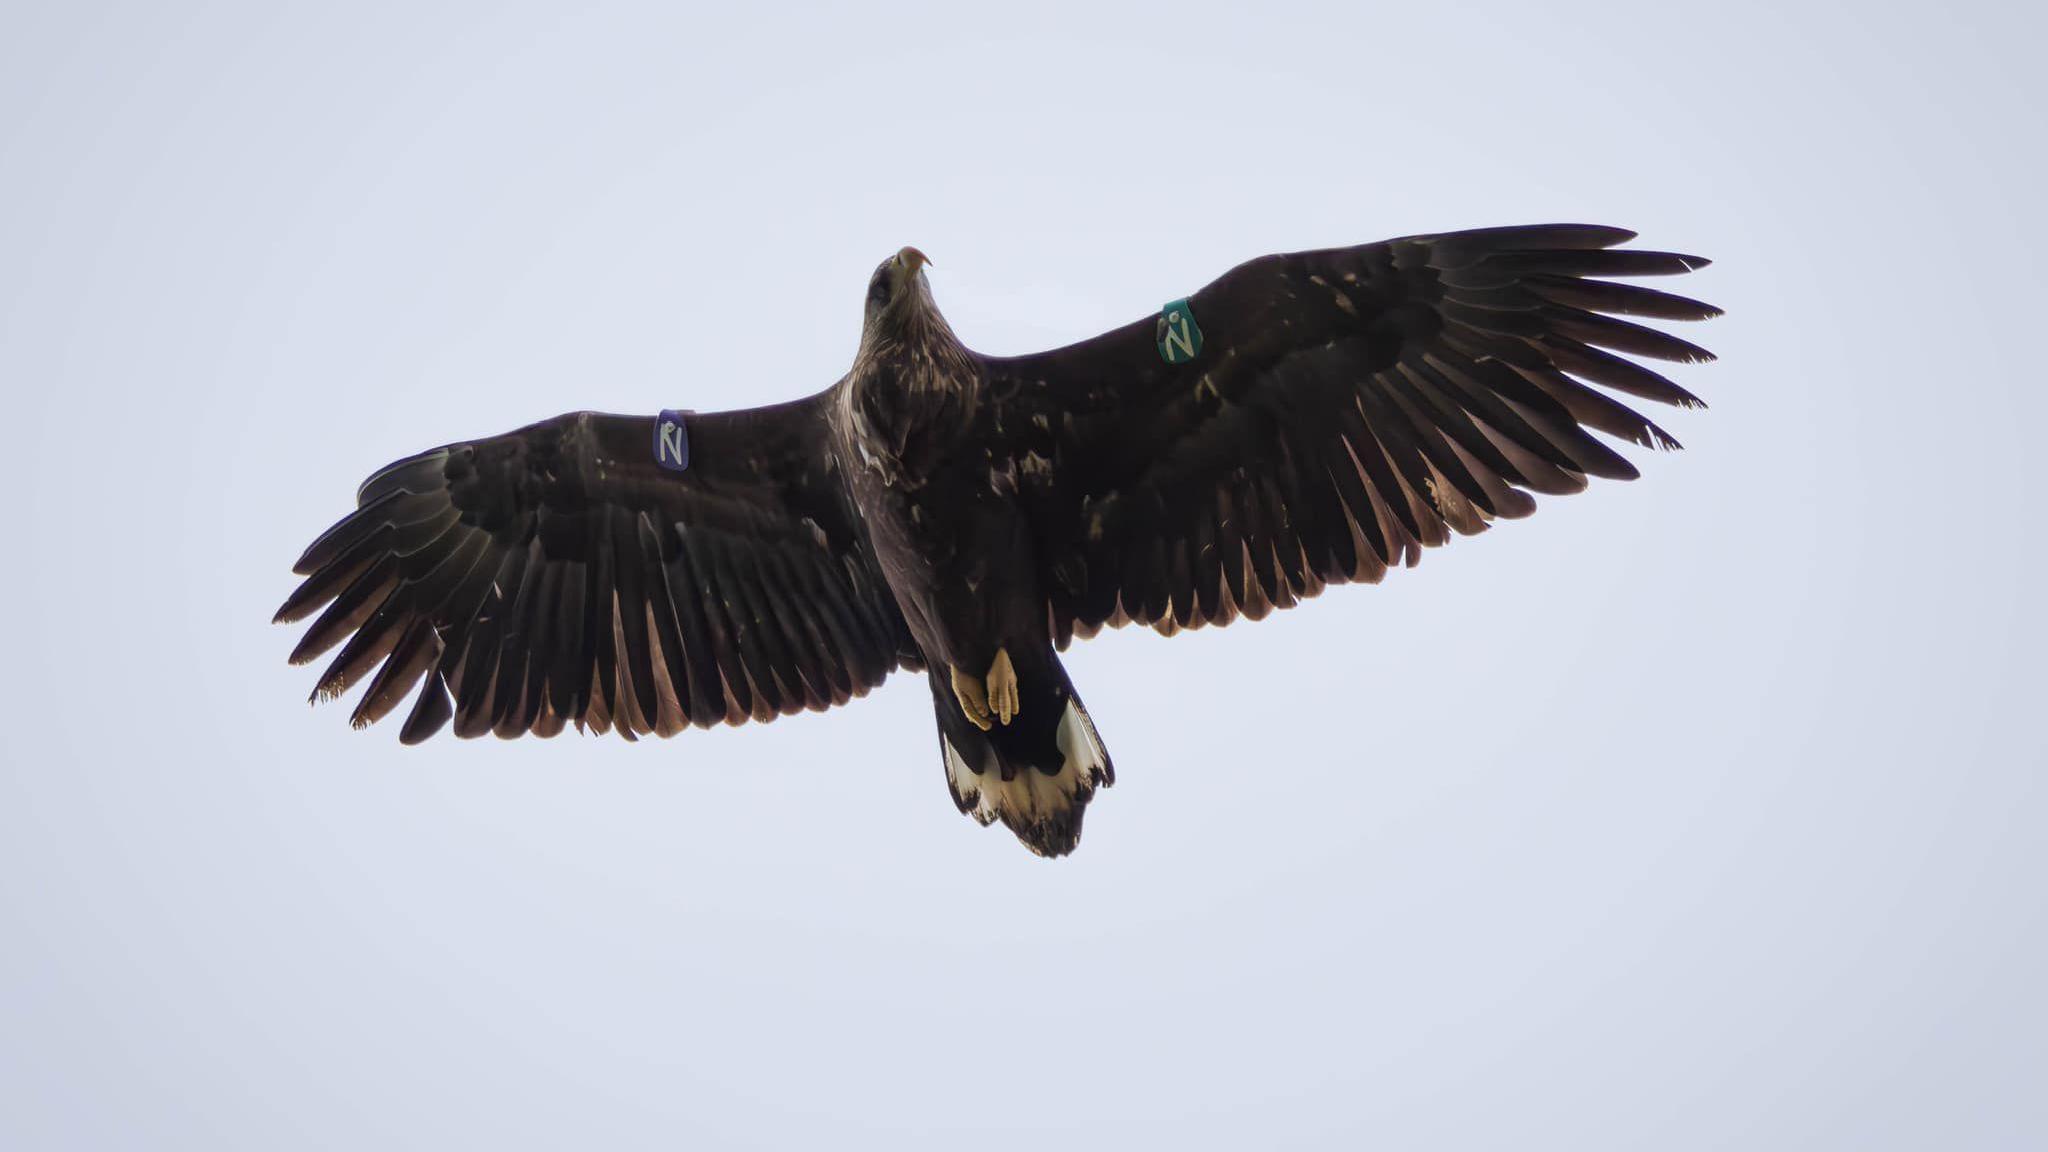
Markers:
point(558, 574)
point(1346, 409)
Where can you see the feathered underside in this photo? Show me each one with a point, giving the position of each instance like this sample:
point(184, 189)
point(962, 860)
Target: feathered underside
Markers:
point(1349, 408)
point(555, 575)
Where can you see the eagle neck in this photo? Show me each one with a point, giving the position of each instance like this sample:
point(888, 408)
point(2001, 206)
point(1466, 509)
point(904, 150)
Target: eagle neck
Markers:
point(918, 356)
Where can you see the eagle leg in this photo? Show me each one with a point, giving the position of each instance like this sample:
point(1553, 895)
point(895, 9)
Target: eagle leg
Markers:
point(1002, 687)
point(973, 699)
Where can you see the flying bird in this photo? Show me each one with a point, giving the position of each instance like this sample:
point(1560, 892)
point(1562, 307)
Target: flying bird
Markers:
point(1307, 419)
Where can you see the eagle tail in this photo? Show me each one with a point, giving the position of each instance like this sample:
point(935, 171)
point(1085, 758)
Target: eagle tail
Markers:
point(1037, 773)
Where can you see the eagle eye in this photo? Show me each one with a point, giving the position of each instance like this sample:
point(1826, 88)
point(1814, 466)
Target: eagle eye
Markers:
point(878, 288)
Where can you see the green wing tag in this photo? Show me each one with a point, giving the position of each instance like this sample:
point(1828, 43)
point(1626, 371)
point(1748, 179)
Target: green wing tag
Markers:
point(1180, 340)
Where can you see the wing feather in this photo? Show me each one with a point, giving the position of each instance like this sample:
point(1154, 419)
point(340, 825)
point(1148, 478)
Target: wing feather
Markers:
point(555, 576)
point(1350, 408)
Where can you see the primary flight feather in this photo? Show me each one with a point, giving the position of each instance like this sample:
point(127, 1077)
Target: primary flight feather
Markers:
point(1308, 419)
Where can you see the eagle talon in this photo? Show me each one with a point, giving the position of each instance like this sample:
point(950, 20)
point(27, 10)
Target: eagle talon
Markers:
point(1002, 687)
point(973, 700)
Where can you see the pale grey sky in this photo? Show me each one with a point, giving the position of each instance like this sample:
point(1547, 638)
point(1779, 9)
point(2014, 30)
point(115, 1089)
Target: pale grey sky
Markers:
point(1703, 812)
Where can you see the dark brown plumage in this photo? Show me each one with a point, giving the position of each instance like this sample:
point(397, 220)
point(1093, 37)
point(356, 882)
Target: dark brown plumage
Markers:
point(970, 515)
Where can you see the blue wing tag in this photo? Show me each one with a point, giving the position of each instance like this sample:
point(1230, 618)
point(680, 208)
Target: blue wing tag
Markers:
point(1180, 340)
point(672, 440)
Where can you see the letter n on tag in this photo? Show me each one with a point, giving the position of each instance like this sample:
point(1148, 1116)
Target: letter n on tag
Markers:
point(671, 440)
point(1179, 337)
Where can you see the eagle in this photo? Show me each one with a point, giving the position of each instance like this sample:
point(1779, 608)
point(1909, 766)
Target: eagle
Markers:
point(1307, 419)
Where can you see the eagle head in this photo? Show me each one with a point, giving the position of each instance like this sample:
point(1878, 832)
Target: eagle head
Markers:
point(898, 289)
point(904, 333)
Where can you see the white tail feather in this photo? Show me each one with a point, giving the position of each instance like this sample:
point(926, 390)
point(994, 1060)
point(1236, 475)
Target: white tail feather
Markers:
point(1044, 811)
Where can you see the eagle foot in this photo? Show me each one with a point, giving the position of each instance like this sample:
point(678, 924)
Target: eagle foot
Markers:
point(1002, 687)
point(973, 698)
point(990, 702)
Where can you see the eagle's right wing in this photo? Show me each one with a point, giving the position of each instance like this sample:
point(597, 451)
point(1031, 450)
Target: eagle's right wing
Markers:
point(1319, 417)
point(559, 574)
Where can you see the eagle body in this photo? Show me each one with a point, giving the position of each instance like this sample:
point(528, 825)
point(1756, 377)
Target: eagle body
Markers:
point(952, 538)
point(1307, 419)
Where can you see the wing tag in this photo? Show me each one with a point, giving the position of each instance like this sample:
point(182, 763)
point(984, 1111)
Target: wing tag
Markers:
point(1180, 339)
point(671, 440)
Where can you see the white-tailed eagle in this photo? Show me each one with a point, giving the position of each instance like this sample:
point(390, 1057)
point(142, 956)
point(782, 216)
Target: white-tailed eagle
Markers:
point(1306, 420)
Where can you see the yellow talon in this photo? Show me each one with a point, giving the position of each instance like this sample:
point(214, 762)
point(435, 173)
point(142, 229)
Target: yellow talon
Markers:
point(973, 701)
point(1002, 687)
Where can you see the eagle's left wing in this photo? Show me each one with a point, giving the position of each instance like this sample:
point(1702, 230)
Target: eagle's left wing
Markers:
point(560, 574)
point(1318, 417)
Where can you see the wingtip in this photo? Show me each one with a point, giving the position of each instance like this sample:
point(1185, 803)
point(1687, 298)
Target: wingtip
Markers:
point(309, 648)
point(303, 602)
point(1592, 235)
point(1582, 234)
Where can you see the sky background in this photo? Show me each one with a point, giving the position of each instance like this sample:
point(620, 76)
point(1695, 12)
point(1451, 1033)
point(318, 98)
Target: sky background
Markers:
point(1701, 812)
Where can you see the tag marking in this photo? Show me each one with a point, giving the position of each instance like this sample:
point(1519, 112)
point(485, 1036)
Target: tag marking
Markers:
point(1179, 337)
point(671, 440)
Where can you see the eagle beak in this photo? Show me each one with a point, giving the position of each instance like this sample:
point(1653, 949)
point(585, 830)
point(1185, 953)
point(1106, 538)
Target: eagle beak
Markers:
point(912, 260)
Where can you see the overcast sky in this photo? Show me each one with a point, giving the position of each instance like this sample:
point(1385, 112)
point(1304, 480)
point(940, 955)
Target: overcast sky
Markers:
point(1701, 812)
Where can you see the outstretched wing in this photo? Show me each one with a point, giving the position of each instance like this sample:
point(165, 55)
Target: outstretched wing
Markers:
point(1345, 409)
point(558, 574)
